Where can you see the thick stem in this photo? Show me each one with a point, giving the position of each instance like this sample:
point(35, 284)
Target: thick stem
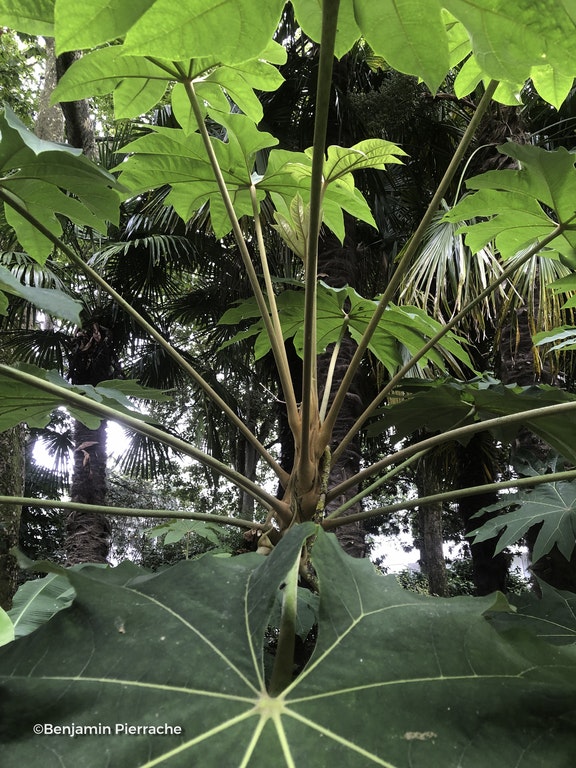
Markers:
point(282, 672)
point(309, 377)
point(405, 261)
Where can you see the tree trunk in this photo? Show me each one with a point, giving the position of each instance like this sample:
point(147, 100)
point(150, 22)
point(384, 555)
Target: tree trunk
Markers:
point(476, 467)
point(77, 118)
point(87, 533)
point(11, 484)
point(430, 541)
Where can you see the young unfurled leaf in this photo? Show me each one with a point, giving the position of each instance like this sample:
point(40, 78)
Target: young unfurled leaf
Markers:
point(295, 230)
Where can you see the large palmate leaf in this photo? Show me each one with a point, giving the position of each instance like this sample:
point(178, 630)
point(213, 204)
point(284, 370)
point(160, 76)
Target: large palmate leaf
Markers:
point(553, 506)
point(518, 203)
point(47, 179)
point(171, 156)
point(194, 659)
point(288, 176)
point(35, 17)
point(233, 30)
point(139, 83)
point(444, 405)
point(341, 309)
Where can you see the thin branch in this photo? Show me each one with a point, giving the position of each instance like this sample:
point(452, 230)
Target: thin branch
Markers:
point(476, 490)
point(375, 485)
point(276, 342)
point(282, 362)
point(14, 203)
point(452, 434)
point(324, 86)
point(98, 509)
point(67, 396)
point(404, 263)
point(330, 372)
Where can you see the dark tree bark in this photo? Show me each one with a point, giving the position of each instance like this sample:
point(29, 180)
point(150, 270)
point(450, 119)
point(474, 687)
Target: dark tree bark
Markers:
point(88, 534)
point(11, 484)
point(430, 475)
point(476, 467)
point(77, 118)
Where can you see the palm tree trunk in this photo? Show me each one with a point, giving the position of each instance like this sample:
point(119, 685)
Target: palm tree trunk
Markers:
point(430, 540)
point(489, 571)
point(88, 534)
point(11, 484)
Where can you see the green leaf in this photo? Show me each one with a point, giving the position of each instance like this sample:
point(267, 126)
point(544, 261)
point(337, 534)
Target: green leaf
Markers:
point(171, 156)
point(52, 300)
point(371, 153)
point(83, 26)
point(288, 174)
point(38, 600)
point(138, 84)
point(514, 200)
point(510, 38)
point(231, 30)
point(6, 628)
point(194, 658)
point(409, 34)
point(553, 505)
point(445, 404)
point(35, 173)
point(176, 530)
point(552, 84)
point(563, 338)
point(407, 326)
point(550, 616)
point(309, 15)
point(34, 17)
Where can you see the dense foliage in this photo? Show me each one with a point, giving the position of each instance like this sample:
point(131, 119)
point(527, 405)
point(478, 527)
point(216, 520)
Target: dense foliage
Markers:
point(297, 654)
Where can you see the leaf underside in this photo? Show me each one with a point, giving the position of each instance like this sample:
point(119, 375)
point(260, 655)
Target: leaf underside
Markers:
point(141, 650)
